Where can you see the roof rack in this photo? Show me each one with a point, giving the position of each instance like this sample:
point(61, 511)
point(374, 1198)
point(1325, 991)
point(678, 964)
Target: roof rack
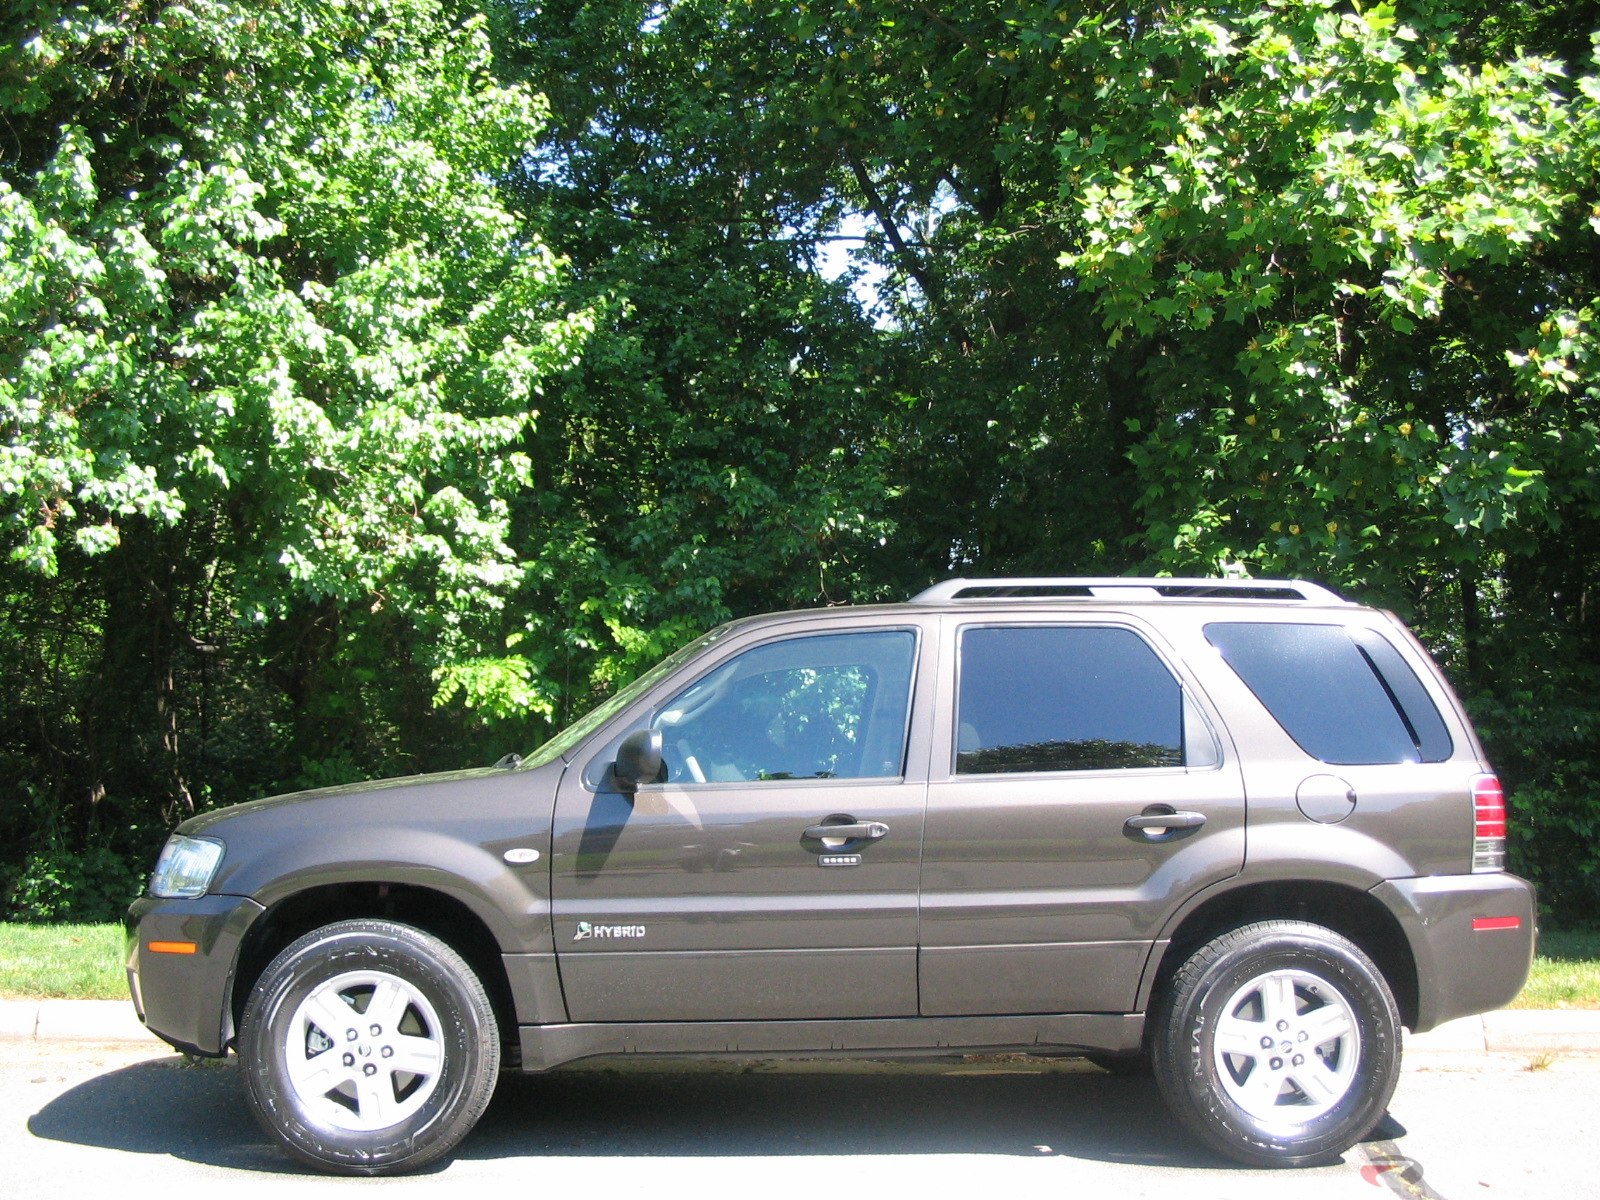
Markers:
point(1128, 588)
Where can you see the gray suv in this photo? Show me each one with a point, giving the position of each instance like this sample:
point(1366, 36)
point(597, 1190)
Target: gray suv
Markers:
point(1237, 833)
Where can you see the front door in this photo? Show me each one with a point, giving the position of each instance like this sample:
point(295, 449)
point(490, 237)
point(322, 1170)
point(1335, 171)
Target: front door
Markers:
point(719, 892)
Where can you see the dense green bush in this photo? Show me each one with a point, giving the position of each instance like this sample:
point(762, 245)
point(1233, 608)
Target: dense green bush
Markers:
point(89, 887)
point(1543, 735)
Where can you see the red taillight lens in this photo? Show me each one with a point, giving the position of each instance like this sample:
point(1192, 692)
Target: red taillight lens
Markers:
point(1488, 824)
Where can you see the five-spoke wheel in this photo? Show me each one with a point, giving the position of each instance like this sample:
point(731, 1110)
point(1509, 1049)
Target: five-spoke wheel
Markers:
point(1278, 1044)
point(363, 1051)
point(1286, 1046)
point(369, 1047)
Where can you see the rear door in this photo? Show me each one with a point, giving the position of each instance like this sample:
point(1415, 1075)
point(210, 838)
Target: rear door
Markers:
point(1051, 863)
point(719, 893)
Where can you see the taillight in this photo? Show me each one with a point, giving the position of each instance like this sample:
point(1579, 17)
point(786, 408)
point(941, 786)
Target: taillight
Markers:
point(1488, 824)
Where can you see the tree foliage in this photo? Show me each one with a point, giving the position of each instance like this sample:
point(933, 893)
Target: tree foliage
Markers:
point(272, 343)
point(383, 381)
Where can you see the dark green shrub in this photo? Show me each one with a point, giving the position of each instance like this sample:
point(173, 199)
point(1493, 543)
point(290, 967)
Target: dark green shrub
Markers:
point(91, 886)
point(1544, 739)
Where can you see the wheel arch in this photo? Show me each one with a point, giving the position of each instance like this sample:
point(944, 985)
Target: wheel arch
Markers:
point(435, 912)
point(1348, 911)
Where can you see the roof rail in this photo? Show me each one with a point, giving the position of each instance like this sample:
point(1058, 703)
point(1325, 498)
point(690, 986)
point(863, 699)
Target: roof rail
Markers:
point(1128, 588)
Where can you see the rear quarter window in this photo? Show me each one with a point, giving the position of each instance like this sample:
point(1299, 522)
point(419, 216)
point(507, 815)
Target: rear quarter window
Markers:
point(1345, 696)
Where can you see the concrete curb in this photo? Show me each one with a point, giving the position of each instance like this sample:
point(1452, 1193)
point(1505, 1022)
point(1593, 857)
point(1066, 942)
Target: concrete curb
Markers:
point(1513, 1031)
point(103, 1021)
point(1508, 1031)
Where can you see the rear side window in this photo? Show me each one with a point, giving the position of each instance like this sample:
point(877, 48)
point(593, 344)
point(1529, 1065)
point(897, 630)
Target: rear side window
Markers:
point(1074, 698)
point(1344, 695)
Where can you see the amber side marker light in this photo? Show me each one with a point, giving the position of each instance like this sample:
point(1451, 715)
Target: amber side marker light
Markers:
point(170, 947)
point(1481, 923)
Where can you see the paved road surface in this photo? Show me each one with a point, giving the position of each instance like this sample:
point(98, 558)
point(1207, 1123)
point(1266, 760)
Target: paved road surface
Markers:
point(78, 1121)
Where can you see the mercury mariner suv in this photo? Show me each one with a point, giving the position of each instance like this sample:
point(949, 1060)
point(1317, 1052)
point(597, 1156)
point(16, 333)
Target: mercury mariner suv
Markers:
point(1238, 833)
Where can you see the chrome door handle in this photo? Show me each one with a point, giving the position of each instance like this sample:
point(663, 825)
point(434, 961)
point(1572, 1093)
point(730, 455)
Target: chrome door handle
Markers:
point(1153, 825)
point(869, 831)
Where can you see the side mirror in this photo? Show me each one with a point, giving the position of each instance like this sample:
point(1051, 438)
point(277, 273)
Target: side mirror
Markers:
point(638, 760)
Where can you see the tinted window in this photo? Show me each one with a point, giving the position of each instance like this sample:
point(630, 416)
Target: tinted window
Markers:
point(1064, 699)
point(1344, 696)
point(827, 707)
point(1423, 723)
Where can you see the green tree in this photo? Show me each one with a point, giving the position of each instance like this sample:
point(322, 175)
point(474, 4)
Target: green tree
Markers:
point(1303, 288)
point(342, 381)
point(726, 444)
point(271, 344)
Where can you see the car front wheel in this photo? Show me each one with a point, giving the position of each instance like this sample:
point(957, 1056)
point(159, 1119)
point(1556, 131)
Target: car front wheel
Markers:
point(1278, 1044)
point(369, 1047)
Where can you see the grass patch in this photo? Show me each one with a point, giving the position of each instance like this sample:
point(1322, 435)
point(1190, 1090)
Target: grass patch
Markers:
point(84, 962)
point(1566, 972)
point(55, 962)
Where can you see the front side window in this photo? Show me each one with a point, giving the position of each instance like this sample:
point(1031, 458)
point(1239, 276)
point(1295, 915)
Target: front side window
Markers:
point(1065, 698)
point(834, 706)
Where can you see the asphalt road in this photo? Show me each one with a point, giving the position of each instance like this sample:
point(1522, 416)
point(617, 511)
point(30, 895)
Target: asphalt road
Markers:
point(75, 1121)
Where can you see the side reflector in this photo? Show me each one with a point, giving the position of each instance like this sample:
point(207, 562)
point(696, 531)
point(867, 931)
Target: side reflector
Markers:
point(1481, 923)
point(171, 947)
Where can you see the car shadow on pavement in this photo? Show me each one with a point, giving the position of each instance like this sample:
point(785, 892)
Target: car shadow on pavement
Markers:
point(198, 1113)
point(764, 1112)
point(188, 1109)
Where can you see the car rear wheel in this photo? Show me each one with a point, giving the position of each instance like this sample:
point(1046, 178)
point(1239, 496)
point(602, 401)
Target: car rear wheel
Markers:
point(1278, 1044)
point(369, 1048)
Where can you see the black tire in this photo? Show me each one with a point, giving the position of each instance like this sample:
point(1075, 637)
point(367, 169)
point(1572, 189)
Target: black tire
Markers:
point(1278, 1044)
point(341, 1098)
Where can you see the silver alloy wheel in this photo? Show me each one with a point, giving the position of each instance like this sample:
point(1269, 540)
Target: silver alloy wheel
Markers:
point(363, 1051)
point(1286, 1047)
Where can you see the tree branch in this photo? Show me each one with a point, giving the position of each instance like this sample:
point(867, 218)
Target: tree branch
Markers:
point(908, 259)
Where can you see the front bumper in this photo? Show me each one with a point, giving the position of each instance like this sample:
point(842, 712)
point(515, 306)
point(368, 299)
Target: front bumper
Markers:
point(186, 998)
point(1472, 937)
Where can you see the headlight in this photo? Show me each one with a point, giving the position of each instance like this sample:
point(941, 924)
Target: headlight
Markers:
point(185, 867)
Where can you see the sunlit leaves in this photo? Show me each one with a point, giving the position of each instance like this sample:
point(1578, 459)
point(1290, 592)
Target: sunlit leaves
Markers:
point(286, 291)
point(1332, 226)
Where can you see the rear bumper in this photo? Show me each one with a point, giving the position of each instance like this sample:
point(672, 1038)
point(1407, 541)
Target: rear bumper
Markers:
point(1472, 937)
point(185, 998)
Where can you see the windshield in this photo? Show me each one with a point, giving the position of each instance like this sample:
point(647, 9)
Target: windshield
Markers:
point(569, 738)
